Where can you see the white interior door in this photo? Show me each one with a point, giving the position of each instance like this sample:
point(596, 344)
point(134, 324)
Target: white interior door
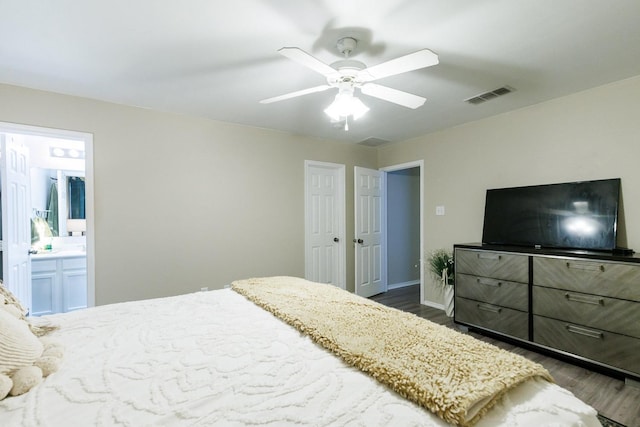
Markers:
point(16, 227)
point(370, 224)
point(324, 223)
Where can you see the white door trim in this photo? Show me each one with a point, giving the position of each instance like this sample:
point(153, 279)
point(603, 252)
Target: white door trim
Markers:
point(341, 189)
point(409, 165)
point(87, 138)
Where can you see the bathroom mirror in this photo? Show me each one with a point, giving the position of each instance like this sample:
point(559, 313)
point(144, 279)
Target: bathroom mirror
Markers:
point(71, 203)
point(75, 191)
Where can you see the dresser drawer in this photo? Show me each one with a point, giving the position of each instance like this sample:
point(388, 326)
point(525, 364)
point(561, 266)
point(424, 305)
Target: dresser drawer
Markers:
point(497, 265)
point(500, 319)
point(587, 276)
point(590, 310)
point(495, 291)
point(620, 351)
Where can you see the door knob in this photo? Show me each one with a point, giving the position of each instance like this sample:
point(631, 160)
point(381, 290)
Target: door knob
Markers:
point(335, 239)
point(358, 241)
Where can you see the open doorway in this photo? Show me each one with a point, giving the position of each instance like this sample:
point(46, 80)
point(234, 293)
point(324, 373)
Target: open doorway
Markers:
point(59, 273)
point(404, 225)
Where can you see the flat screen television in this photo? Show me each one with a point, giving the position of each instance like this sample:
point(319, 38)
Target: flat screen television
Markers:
point(575, 215)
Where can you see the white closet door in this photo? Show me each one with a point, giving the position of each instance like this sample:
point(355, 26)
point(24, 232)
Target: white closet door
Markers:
point(324, 223)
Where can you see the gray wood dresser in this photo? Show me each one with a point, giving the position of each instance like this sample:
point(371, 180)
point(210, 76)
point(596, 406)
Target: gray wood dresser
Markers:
point(579, 305)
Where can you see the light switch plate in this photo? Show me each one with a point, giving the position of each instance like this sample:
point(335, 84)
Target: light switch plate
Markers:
point(440, 210)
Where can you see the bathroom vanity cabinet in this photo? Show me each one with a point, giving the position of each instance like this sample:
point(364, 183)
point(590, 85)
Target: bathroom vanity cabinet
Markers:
point(58, 283)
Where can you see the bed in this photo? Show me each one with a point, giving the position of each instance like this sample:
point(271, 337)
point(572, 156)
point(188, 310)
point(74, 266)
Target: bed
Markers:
point(222, 358)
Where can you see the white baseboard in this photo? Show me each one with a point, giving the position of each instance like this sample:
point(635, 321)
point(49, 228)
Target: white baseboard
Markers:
point(403, 284)
point(630, 382)
point(433, 304)
point(416, 282)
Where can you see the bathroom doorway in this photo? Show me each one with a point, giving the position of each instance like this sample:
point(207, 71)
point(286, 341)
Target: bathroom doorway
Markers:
point(60, 236)
point(405, 266)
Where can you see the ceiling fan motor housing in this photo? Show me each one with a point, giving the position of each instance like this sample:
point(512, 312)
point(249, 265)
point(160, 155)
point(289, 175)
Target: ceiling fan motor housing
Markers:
point(348, 72)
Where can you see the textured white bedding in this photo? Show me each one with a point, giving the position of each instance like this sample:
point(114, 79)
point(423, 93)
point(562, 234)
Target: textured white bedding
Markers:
point(216, 359)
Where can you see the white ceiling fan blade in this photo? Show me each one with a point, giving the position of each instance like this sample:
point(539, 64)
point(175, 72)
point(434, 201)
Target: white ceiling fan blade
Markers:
point(301, 57)
point(296, 93)
point(420, 59)
point(396, 96)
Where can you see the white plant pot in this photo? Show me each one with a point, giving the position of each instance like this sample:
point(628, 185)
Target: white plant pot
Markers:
point(448, 301)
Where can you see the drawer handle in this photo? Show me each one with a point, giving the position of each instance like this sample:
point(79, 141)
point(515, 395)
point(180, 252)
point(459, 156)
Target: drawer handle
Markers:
point(584, 299)
point(584, 331)
point(489, 282)
point(493, 257)
point(490, 308)
point(586, 267)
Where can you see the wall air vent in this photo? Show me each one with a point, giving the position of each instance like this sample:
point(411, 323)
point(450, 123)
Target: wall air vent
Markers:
point(373, 142)
point(483, 97)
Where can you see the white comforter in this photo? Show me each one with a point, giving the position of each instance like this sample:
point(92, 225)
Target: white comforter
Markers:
point(216, 359)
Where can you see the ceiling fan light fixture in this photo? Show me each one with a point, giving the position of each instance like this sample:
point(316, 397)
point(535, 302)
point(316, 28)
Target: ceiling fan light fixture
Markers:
point(347, 74)
point(345, 105)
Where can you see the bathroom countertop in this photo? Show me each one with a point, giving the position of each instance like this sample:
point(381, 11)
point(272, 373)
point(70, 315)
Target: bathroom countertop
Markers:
point(58, 254)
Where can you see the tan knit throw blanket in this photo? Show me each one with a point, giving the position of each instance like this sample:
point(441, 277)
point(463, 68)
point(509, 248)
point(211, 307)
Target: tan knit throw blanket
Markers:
point(453, 375)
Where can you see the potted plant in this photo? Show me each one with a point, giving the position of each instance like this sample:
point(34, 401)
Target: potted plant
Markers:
point(441, 266)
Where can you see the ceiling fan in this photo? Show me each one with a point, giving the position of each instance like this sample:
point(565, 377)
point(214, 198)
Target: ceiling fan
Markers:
point(346, 75)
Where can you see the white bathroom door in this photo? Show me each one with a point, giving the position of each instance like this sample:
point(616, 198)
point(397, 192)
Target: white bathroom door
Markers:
point(370, 227)
point(16, 226)
point(325, 223)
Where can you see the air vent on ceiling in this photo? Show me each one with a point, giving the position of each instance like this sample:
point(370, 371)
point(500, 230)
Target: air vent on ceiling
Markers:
point(483, 97)
point(373, 142)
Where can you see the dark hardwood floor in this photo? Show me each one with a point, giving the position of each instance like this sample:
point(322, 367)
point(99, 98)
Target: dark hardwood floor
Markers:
point(611, 397)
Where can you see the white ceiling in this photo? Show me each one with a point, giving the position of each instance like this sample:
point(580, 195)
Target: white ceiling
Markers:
point(217, 59)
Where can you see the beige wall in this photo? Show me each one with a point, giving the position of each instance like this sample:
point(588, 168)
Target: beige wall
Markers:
point(183, 202)
point(589, 135)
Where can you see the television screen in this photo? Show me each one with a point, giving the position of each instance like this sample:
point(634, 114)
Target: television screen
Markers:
point(577, 215)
